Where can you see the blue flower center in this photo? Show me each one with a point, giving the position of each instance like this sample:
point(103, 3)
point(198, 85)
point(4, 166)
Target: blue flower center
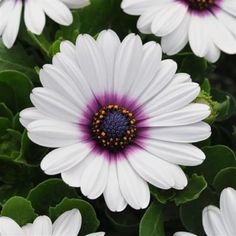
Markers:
point(113, 128)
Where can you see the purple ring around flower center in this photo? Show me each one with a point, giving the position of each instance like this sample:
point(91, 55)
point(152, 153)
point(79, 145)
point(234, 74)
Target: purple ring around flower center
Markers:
point(201, 7)
point(113, 125)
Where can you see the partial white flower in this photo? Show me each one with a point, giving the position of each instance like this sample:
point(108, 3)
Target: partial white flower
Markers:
point(35, 12)
point(119, 117)
point(208, 25)
point(219, 221)
point(69, 223)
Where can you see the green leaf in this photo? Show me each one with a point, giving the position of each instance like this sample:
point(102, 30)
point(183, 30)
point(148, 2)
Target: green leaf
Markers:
point(195, 186)
point(49, 193)
point(226, 104)
point(217, 158)
point(20, 85)
point(152, 222)
point(90, 222)
point(16, 58)
point(5, 111)
point(4, 125)
point(225, 178)
point(163, 196)
point(19, 209)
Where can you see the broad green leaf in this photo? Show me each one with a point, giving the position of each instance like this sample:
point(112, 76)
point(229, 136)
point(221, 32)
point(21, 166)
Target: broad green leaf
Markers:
point(19, 209)
point(49, 193)
point(152, 222)
point(5, 111)
point(206, 86)
point(21, 86)
point(90, 222)
point(163, 196)
point(217, 158)
point(225, 178)
point(16, 58)
point(192, 191)
point(4, 125)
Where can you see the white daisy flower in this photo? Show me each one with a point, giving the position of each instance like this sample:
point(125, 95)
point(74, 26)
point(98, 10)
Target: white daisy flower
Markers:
point(35, 12)
point(219, 222)
point(208, 25)
point(69, 223)
point(119, 117)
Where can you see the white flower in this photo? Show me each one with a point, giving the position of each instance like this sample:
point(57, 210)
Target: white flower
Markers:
point(219, 222)
point(119, 116)
point(35, 12)
point(67, 224)
point(208, 25)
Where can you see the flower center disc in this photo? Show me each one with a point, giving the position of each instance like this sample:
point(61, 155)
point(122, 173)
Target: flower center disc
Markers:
point(113, 128)
point(200, 5)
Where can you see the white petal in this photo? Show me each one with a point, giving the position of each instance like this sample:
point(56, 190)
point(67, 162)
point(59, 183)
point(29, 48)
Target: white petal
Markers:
point(57, 11)
point(12, 27)
point(162, 78)
point(212, 222)
point(229, 6)
point(68, 223)
point(42, 226)
point(68, 49)
point(28, 229)
point(94, 178)
point(189, 114)
point(63, 159)
point(180, 78)
point(55, 79)
point(74, 4)
point(176, 153)
point(92, 63)
point(133, 188)
point(69, 66)
point(228, 209)
point(168, 18)
point(52, 133)
point(34, 16)
point(112, 193)
point(9, 227)
point(137, 7)
point(73, 176)
point(172, 98)
point(55, 106)
point(157, 172)
point(182, 134)
point(176, 40)
point(221, 36)
point(149, 67)
point(198, 35)
point(31, 114)
point(109, 43)
point(128, 61)
point(181, 233)
point(96, 234)
point(213, 53)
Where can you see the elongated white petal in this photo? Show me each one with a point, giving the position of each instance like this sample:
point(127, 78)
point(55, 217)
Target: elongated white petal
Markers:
point(212, 221)
point(34, 16)
point(181, 233)
point(42, 226)
point(9, 227)
point(69, 223)
point(112, 194)
point(63, 159)
point(133, 188)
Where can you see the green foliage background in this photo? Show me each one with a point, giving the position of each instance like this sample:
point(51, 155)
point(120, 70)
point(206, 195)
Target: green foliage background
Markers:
point(24, 187)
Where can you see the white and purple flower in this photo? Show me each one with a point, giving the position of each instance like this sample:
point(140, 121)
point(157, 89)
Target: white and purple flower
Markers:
point(35, 12)
point(120, 118)
point(208, 25)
